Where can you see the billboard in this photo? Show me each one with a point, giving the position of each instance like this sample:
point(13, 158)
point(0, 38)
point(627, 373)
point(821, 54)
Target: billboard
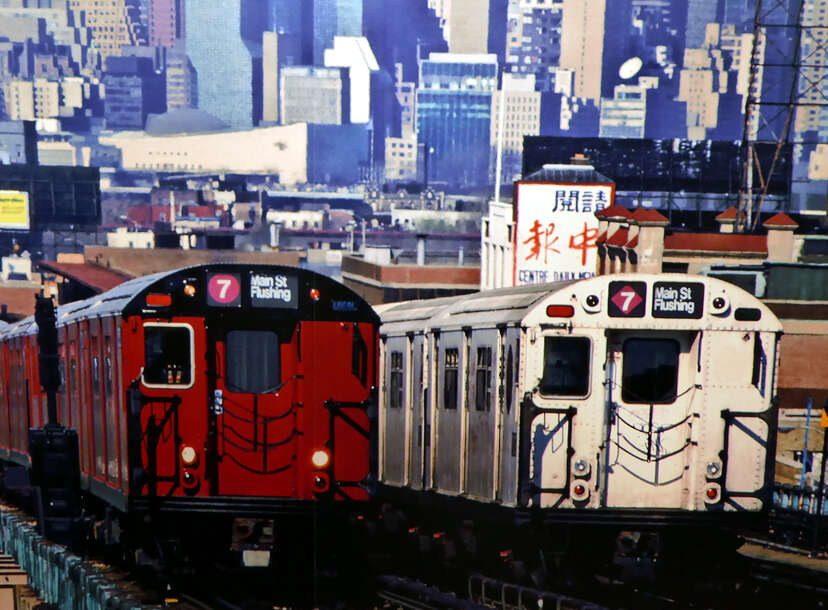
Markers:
point(14, 210)
point(60, 197)
point(641, 165)
point(556, 229)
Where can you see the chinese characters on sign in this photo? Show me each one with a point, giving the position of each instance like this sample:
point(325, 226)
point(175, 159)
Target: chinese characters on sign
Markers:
point(557, 229)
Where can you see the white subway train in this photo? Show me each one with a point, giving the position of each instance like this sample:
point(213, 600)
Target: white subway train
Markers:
point(633, 400)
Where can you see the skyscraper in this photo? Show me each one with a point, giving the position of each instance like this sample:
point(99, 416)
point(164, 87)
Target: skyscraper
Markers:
point(108, 23)
point(699, 14)
point(163, 23)
point(533, 41)
point(467, 26)
point(224, 43)
point(334, 18)
point(454, 106)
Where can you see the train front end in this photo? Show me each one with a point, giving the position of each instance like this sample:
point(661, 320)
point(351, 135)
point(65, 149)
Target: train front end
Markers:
point(250, 389)
point(650, 395)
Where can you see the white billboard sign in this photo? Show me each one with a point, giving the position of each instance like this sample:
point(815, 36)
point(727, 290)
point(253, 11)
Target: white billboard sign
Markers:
point(556, 230)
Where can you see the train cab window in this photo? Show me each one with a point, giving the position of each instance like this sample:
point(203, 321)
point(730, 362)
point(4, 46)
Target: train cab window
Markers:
point(450, 379)
point(253, 361)
point(483, 393)
point(565, 366)
point(650, 371)
point(168, 355)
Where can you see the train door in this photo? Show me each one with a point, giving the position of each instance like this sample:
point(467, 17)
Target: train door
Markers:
point(507, 462)
point(96, 389)
point(482, 413)
point(449, 414)
point(257, 407)
point(397, 350)
point(110, 400)
point(84, 415)
point(337, 363)
point(651, 391)
point(429, 402)
point(4, 402)
point(417, 428)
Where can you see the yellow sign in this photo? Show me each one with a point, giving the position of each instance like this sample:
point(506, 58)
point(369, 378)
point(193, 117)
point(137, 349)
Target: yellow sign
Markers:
point(14, 210)
point(824, 421)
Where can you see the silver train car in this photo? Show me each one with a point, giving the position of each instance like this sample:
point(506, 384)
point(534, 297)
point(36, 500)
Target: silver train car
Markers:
point(634, 400)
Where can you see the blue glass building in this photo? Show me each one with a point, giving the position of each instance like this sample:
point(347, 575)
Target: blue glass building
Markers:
point(334, 18)
point(224, 43)
point(454, 107)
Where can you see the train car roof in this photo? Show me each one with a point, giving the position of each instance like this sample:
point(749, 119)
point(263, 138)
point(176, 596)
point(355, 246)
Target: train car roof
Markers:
point(499, 306)
point(123, 296)
point(527, 306)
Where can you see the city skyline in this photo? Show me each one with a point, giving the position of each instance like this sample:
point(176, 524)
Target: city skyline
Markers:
point(674, 69)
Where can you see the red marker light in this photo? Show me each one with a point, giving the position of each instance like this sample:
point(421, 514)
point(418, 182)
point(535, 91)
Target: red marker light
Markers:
point(159, 300)
point(314, 294)
point(560, 311)
point(579, 490)
point(712, 493)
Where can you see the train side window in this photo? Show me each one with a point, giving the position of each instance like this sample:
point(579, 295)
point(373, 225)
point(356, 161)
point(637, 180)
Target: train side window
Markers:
point(168, 355)
point(510, 380)
point(760, 364)
point(450, 376)
point(650, 371)
point(96, 372)
point(483, 390)
point(253, 361)
point(395, 378)
point(565, 366)
point(359, 356)
point(107, 372)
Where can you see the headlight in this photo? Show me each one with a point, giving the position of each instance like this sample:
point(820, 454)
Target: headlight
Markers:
point(320, 458)
point(189, 455)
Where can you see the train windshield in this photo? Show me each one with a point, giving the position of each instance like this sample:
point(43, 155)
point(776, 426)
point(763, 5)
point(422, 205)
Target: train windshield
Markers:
point(167, 354)
point(650, 372)
point(565, 366)
point(252, 361)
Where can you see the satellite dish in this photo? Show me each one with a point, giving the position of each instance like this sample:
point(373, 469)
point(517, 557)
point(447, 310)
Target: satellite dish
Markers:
point(630, 68)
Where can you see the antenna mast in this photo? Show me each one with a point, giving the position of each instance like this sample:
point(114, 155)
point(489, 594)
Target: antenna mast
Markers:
point(783, 99)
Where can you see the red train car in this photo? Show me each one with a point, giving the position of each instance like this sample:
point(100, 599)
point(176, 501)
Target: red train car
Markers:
point(224, 390)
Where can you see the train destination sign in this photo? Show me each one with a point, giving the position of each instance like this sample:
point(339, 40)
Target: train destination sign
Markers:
point(277, 290)
point(678, 300)
point(627, 299)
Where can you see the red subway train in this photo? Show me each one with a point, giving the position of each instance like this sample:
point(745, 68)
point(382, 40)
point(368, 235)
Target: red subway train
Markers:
point(223, 391)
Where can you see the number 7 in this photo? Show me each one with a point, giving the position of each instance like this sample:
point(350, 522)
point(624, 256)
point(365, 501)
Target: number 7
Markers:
point(628, 295)
point(224, 285)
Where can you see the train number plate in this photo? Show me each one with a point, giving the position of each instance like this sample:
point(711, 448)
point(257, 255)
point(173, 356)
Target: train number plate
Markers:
point(627, 299)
